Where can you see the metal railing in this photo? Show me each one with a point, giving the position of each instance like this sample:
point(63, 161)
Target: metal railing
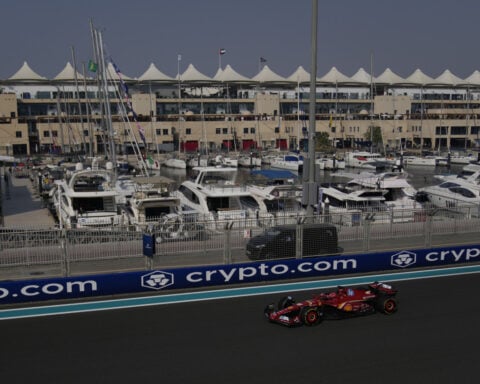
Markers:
point(53, 251)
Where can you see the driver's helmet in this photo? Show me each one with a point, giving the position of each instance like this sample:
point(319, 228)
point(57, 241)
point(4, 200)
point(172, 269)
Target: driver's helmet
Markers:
point(350, 292)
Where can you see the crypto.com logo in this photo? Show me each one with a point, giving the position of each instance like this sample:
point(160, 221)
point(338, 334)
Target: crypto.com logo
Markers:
point(403, 259)
point(157, 280)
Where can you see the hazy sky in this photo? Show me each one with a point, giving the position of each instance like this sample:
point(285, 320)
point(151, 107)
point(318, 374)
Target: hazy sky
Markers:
point(403, 35)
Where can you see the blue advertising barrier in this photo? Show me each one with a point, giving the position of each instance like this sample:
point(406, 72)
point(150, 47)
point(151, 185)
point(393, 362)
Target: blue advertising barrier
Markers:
point(218, 275)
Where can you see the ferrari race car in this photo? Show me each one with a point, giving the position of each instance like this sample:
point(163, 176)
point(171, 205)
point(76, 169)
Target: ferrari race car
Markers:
point(341, 303)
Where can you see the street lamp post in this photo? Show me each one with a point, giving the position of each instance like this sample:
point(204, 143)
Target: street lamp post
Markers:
point(310, 188)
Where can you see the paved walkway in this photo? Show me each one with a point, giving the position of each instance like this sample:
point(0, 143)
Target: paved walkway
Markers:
point(21, 205)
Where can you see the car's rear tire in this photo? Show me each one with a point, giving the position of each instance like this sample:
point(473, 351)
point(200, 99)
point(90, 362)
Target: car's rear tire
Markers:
point(311, 316)
point(285, 302)
point(386, 305)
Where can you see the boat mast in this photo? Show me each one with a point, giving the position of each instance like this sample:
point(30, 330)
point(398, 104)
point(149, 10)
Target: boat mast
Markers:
point(152, 114)
point(106, 99)
point(371, 102)
point(298, 113)
point(88, 111)
point(179, 58)
point(80, 115)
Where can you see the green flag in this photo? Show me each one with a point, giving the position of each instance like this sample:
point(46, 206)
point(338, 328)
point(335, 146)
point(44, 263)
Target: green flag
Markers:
point(92, 66)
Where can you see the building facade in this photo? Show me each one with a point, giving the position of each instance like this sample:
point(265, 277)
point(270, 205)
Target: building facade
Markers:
point(39, 116)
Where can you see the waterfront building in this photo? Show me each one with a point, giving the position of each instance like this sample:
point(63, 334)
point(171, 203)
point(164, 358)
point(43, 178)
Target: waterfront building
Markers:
point(195, 113)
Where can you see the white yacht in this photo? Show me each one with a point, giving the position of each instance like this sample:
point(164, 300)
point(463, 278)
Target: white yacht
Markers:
point(455, 194)
point(227, 161)
point(367, 160)
point(400, 197)
point(427, 161)
point(470, 172)
point(215, 196)
point(249, 161)
point(400, 193)
point(198, 161)
point(88, 198)
point(456, 158)
point(344, 199)
point(278, 194)
point(291, 161)
point(328, 163)
point(152, 198)
point(175, 162)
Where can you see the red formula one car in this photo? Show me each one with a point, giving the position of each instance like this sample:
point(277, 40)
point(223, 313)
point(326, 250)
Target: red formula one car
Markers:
point(341, 303)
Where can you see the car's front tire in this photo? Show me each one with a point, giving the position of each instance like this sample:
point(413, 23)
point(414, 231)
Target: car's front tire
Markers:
point(311, 316)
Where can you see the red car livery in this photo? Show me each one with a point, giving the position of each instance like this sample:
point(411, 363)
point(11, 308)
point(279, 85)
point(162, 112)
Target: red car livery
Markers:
point(341, 303)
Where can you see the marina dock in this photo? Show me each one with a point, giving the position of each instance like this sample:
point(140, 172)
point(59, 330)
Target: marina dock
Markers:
point(21, 205)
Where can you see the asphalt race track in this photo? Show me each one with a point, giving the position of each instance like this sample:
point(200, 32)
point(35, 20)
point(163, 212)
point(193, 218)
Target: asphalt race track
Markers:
point(434, 338)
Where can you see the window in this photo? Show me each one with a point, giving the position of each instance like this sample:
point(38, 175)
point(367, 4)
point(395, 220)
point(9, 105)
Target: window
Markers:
point(218, 131)
point(441, 130)
point(46, 133)
point(165, 131)
point(334, 129)
point(458, 130)
point(252, 130)
point(18, 134)
point(277, 129)
point(158, 132)
point(245, 130)
point(225, 131)
point(188, 131)
point(85, 132)
point(54, 133)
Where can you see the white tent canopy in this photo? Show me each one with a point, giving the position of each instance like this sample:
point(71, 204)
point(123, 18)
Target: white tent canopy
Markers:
point(299, 76)
point(473, 79)
point(266, 75)
point(334, 76)
point(420, 78)
point(229, 75)
point(388, 77)
point(362, 77)
point(68, 74)
point(154, 74)
point(193, 75)
point(26, 73)
point(449, 79)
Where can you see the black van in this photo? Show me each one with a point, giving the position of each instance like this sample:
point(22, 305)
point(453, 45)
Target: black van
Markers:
point(280, 242)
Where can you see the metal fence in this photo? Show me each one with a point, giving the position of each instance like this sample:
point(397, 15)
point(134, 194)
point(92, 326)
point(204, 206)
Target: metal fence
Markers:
point(55, 251)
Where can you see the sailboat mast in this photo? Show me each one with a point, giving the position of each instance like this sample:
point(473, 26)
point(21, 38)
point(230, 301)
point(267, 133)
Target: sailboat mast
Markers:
point(152, 114)
point(80, 115)
point(298, 113)
point(88, 111)
point(179, 58)
point(371, 102)
point(108, 120)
